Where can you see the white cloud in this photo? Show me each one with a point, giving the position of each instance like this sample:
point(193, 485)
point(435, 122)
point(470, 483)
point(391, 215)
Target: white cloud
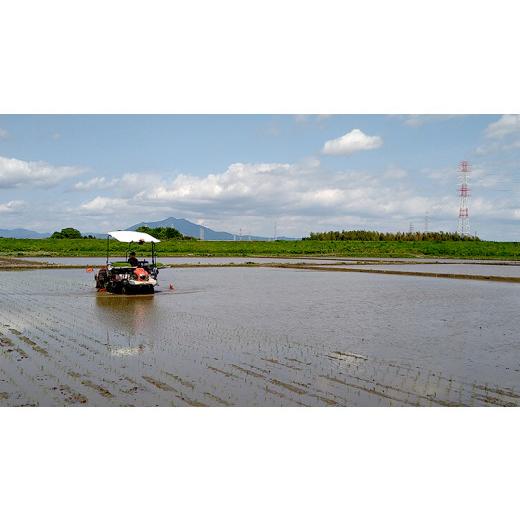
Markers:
point(354, 141)
point(309, 118)
point(502, 135)
point(246, 191)
point(13, 206)
point(395, 173)
point(512, 146)
point(300, 197)
point(96, 183)
point(487, 149)
point(497, 146)
point(238, 184)
point(3, 134)
point(506, 125)
point(478, 177)
point(417, 120)
point(104, 205)
point(414, 121)
point(323, 197)
point(15, 173)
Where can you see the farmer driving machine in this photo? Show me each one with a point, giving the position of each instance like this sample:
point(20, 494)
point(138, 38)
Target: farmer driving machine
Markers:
point(131, 276)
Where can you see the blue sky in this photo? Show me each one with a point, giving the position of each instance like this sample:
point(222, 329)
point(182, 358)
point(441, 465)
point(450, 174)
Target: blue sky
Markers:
point(306, 173)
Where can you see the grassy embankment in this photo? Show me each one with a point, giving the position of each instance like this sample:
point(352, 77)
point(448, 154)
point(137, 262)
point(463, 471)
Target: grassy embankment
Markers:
point(97, 248)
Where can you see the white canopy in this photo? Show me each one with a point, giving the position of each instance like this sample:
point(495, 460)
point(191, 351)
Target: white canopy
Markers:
point(132, 236)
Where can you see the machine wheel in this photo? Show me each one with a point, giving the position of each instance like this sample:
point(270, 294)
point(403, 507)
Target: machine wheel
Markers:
point(101, 279)
point(110, 287)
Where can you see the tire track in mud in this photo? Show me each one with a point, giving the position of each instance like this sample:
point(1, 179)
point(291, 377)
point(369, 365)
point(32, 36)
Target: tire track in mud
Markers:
point(180, 395)
point(11, 391)
point(290, 387)
point(30, 379)
point(243, 364)
point(417, 389)
point(58, 348)
point(64, 337)
point(103, 345)
point(63, 371)
point(85, 367)
point(156, 399)
point(33, 372)
point(333, 356)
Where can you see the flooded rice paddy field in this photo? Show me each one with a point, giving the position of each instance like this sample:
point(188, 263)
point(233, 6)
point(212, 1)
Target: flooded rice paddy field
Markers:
point(259, 337)
point(465, 268)
point(180, 260)
point(85, 260)
point(422, 260)
point(473, 267)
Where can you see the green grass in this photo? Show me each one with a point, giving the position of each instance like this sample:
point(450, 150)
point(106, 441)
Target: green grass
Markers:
point(81, 247)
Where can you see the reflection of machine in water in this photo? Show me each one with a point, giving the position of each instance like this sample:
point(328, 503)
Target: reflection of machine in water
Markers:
point(127, 320)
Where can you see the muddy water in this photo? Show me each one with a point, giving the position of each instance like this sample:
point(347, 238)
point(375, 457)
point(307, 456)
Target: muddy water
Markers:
point(259, 337)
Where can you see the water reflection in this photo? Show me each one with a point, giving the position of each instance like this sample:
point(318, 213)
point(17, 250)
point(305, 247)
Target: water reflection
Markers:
point(259, 337)
point(126, 318)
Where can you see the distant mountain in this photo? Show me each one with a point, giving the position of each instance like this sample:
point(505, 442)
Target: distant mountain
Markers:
point(29, 233)
point(186, 228)
point(194, 230)
point(181, 224)
point(22, 233)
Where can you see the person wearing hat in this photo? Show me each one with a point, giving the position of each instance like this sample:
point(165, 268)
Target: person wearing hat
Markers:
point(132, 260)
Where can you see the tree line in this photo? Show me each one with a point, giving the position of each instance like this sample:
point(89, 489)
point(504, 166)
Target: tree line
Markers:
point(376, 236)
point(69, 233)
point(164, 233)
